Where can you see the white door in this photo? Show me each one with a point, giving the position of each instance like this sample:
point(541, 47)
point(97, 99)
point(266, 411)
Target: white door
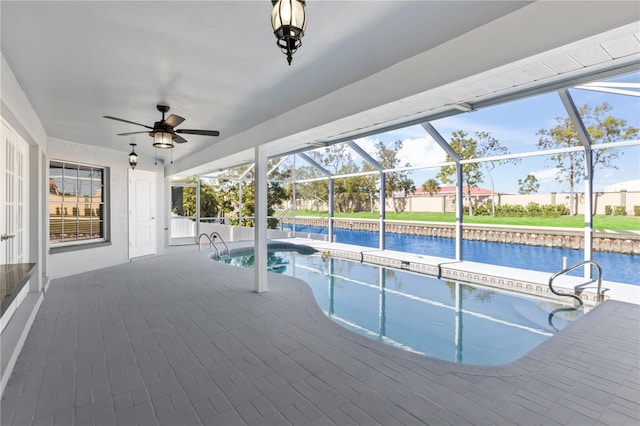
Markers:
point(13, 197)
point(142, 213)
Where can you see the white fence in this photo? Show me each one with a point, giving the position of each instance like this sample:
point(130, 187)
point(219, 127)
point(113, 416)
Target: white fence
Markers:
point(244, 233)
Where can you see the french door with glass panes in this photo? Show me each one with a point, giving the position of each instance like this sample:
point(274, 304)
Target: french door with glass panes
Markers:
point(14, 198)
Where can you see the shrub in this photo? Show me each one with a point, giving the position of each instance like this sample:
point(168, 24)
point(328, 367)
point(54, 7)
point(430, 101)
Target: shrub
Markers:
point(608, 210)
point(564, 210)
point(636, 210)
point(516, 210)
point(483, 210)
point(555, 210)
point(620, 211)
point(534, 209)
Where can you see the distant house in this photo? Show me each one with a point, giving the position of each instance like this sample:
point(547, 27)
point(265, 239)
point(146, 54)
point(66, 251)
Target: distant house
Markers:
point(451, 190)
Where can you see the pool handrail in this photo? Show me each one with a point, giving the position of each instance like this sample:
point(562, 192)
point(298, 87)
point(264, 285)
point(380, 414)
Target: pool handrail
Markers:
point(553, 313)
point(210, 244)
point(571, 268)
point(215, 235)
point(279, 217)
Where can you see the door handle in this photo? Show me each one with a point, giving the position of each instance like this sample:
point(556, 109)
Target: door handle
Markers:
point(6, 237)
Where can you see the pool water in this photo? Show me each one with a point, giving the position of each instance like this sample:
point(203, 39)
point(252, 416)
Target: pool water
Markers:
point(454, 321)
point(616, 267)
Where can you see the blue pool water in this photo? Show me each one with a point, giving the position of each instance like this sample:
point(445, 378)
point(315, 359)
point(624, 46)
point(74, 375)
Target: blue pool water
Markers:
point(456, 322)
point(623, 268)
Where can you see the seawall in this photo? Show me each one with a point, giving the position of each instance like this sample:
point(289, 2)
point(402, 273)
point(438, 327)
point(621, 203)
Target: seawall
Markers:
point(626, 242)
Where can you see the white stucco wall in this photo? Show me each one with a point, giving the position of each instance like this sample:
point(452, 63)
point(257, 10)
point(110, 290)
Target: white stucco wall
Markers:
point(86, 259)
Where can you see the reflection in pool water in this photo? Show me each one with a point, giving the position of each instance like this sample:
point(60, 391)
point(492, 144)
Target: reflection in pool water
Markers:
point(454, 321)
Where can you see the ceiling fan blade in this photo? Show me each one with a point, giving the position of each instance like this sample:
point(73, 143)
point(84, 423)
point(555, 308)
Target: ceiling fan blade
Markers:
point(131, 133)
point(126, 121)
point(198, 132)
point(173, 120)
point(180, 139)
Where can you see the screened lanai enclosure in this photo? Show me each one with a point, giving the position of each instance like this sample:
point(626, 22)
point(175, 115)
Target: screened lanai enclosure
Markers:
point(567, 150)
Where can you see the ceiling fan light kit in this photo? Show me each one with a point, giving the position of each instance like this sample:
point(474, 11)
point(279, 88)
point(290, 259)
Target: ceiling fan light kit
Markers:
point(289, 23)
point(163, 140)
point(163, 132)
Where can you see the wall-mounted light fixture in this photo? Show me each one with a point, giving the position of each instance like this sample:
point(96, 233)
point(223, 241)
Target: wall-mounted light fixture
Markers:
point(162, 139)
point(133, 157)
point(289, 22)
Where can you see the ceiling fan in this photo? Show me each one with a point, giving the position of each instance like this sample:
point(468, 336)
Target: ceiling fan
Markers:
point(163, 132)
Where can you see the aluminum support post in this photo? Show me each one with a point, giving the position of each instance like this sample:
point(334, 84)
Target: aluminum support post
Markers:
point(331, 209)
point(585, 139)
point(383, 206)
point(459, 211)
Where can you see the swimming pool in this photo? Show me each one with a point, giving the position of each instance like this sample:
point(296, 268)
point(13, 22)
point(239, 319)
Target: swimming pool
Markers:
point(454, 321)
point(616, 267)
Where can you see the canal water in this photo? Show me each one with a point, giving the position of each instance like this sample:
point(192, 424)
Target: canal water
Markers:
point(623, 268)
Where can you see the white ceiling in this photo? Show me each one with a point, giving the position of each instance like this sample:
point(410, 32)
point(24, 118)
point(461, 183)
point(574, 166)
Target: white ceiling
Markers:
point(363, 66)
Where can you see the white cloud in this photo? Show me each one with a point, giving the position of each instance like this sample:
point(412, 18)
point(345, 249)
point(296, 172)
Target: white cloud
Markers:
point(422, 151)
point(545, 175)
point(368, 144)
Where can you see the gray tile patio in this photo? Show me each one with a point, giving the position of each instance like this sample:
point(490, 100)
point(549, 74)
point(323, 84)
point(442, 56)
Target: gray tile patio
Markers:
point(182, 340)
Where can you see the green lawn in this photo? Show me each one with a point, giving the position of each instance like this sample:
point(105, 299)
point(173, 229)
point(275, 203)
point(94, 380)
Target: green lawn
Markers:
point(599, 222)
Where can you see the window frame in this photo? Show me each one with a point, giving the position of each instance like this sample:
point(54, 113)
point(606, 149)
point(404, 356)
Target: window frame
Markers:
point(81, 175)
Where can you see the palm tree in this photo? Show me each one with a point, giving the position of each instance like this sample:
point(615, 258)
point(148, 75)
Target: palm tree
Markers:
point(431, 186)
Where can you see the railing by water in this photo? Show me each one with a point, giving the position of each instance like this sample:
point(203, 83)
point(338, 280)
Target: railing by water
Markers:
point(215, 235)
point(578, 289)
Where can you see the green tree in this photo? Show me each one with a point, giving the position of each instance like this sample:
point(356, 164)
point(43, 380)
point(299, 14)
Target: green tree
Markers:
point(602, 128)
point(395, 181)
point(333, 157)
point(316, 191)
point(208, 199)
point(528, 185)
point(483, 145)
point(491, 147)
point(369, 184)
point(431, 186)
point(466, 148)
point(225, 194)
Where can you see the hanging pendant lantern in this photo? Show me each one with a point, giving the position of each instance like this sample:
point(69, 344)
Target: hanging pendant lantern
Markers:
point(133, 157)
point(289, 22)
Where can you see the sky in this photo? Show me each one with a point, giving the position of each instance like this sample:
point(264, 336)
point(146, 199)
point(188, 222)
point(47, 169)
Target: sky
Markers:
point(515, 125)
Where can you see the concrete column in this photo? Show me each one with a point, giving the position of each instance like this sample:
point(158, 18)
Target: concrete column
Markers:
point(240, 202)
point(260, 225)
point(36, 182)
